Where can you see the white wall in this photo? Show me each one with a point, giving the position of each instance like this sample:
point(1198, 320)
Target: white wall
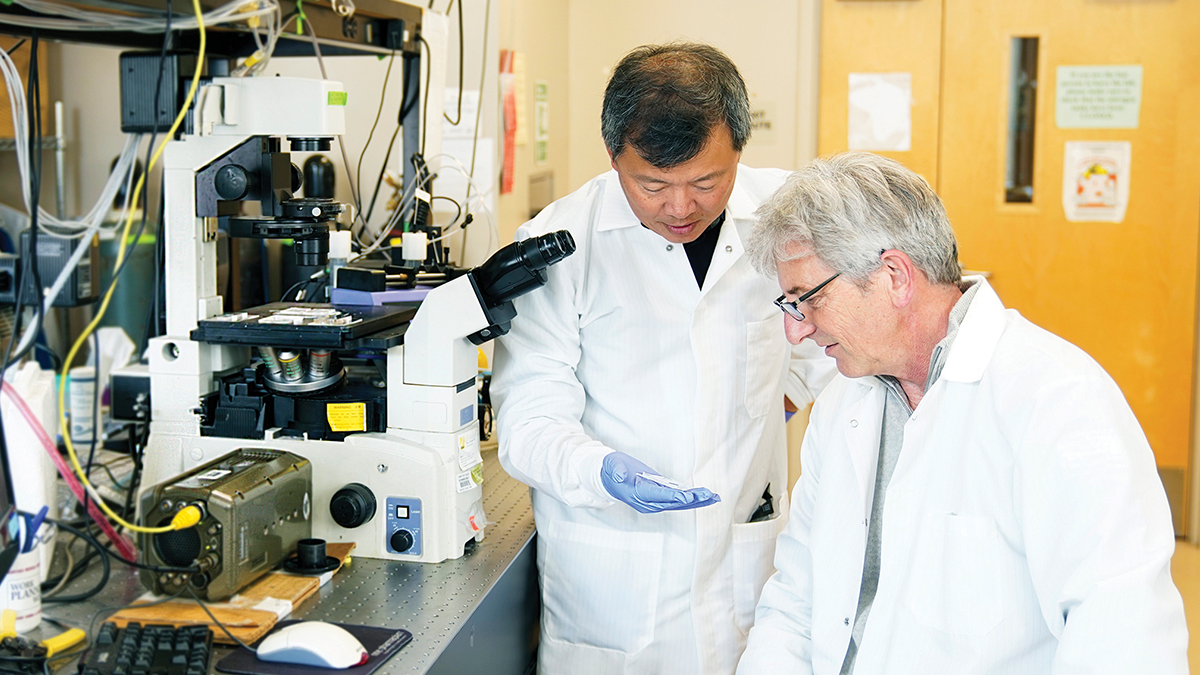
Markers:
point(771, 41)
point(538, 29)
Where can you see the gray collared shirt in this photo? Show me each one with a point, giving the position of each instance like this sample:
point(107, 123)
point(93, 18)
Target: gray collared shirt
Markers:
point(896, 411)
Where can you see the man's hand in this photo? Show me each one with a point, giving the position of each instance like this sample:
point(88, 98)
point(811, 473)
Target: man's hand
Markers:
point(645, 490)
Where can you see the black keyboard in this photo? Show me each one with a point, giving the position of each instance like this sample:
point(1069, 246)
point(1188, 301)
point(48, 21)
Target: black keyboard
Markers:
point(148, 650)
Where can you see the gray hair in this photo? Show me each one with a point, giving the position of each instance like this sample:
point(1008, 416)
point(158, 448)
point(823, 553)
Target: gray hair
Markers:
point(849, 208)
point(665, 100)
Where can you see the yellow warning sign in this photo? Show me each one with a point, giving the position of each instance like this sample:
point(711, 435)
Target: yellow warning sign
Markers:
point(346, 416)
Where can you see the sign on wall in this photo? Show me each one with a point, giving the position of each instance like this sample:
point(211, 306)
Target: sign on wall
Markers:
point(1098, 97)
point(880, 111)
point(1096, 181)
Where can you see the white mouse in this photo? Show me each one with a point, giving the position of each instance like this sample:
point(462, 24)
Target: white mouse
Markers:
point(313, 643)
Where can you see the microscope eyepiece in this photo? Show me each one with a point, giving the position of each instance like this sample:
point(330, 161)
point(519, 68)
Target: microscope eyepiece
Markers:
point(519, 267)
point(549, 248)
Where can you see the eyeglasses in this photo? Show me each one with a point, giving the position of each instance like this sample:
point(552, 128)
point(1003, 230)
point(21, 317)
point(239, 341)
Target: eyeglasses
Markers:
point(792, 308)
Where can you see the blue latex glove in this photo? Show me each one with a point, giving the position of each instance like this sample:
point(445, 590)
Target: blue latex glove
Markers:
point(620, 476)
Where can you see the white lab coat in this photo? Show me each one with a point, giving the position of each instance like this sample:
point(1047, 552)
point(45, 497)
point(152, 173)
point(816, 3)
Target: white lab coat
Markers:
point(622, 351)
point(1025, 528)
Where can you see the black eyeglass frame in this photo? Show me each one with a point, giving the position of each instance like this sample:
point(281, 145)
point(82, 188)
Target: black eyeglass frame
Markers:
point(792, 308)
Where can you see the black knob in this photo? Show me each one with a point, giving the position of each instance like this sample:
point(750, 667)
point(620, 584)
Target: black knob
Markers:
point(297, 178)
point(353, 505)
point(319, 177)
point(402, 540)
point(233, 182)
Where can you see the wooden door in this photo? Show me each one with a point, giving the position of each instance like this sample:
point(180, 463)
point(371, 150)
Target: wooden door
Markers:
point(1125, 292)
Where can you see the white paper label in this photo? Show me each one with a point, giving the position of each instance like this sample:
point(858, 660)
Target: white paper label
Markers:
point(468, 452)
point(281, 608)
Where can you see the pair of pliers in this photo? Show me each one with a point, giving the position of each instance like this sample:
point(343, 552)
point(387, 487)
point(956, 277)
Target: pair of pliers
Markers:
point(52, 646)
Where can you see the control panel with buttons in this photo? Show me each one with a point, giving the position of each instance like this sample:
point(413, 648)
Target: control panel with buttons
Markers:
point(404, 525)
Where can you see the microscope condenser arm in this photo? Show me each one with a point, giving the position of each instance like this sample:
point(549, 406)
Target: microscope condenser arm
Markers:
point(435, 377)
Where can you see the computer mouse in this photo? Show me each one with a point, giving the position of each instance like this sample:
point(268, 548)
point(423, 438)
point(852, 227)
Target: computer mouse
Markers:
point(313, 643)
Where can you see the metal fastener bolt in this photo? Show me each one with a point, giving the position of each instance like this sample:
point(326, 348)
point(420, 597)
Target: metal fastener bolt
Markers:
point(382, 468)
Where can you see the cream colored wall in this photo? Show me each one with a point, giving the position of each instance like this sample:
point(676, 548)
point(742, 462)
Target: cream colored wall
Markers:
point(771, 41)
point(775, 47)
point(538, 29)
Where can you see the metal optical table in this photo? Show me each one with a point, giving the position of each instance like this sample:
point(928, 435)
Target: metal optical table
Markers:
point(475, 614)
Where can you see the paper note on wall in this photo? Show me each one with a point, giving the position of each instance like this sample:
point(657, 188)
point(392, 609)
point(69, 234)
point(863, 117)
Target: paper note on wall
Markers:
point(1096, 181)
point(1098, 97)
point(880, 111)
point(541, 149)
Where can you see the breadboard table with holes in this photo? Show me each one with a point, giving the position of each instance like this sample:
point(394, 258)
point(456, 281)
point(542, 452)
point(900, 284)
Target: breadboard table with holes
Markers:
point(475, 614)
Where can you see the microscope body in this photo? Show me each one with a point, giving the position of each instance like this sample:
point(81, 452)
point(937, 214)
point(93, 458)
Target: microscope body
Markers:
point(383, 405)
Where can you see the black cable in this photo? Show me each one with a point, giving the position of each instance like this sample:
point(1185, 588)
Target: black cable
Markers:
point(487, 20)
point(55, 359)
point(104, 560)
point(132, 244)
point(109, 554)
point(138, 449)
point(111, 476)
point(456, 205)
point(405, 107)
point(95, 413)
point(382, 170)
point(153, 320)
point(462, 38)
point(295, 286)
point(35, 96)
point(387, 76)
point(204, 606)
point(129, 246)
point(12, 50)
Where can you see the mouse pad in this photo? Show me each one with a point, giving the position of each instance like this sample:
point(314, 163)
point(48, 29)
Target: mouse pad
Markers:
point(380, 644)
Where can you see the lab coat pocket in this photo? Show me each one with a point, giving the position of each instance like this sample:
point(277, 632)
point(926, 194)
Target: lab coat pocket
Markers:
point(753, 564)
point(766, 354)
point(600, 586)
point(955, 586)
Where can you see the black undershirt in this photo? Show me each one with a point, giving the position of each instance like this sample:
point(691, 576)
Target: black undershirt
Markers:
point(700, 251)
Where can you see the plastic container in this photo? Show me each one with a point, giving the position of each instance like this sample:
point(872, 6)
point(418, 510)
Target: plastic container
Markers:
point(82, 403)
point(21, 590)
point(27, 457)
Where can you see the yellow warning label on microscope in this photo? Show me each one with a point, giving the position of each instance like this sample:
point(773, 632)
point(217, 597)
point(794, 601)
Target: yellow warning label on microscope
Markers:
point(346, 416)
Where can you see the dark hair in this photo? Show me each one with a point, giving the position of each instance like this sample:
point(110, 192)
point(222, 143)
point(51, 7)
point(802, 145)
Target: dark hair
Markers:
point(665, 100)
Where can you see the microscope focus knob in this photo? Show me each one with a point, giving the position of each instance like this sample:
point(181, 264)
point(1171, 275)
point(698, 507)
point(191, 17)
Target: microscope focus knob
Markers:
point(233, 182)
point(353, 505)
point(401, 541)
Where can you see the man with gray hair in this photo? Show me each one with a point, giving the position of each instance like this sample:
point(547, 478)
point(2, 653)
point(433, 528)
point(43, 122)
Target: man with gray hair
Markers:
point(642, 394)
point(976, 496)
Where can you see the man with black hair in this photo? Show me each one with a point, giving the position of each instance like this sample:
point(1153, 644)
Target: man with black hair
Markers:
point(642, 394)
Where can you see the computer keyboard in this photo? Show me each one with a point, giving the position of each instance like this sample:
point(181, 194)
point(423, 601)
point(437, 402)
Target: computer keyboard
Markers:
point(148, 650)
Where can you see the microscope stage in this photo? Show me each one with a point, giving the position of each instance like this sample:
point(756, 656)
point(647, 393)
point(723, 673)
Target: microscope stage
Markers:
point(306, 325)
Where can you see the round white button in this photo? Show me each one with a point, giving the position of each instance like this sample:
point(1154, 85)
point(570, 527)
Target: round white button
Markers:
point(670, 247)
point(854, 423)
point(729, 249)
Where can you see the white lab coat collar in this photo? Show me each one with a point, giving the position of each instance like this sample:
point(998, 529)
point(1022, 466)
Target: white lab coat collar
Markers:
point(978, 335)
point(615, 213)
point(969, 356)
